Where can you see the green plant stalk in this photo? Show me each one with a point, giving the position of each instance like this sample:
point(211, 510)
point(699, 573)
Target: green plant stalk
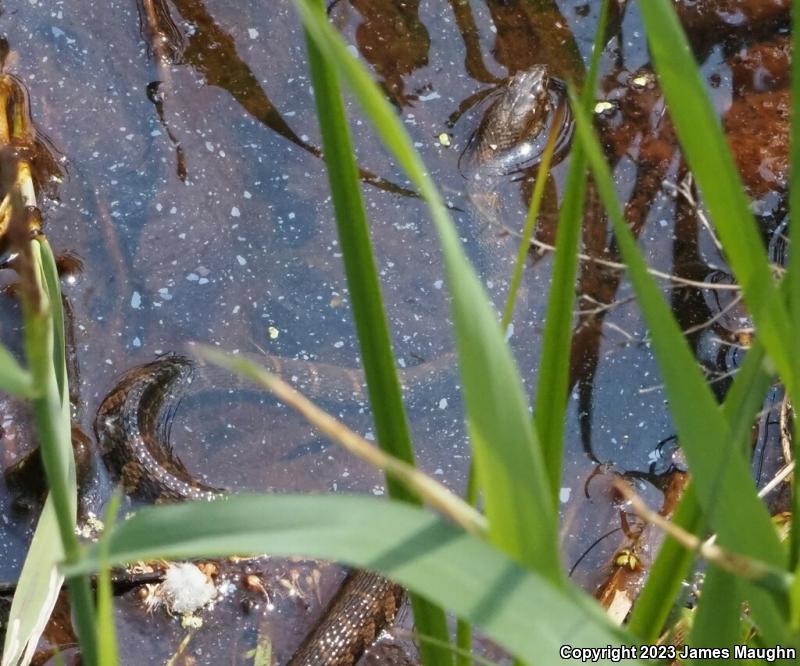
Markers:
point(793, 274)
point(672, 565)
point(521, 610)
point(530, 223)
point(386, 400)
point(51, 415)
point(717, 616)
point(106, 633)
point(723, 482)
point(553, 382)
point(14, 379)
point(522, 518)
point(674, 561)
point(463, 627)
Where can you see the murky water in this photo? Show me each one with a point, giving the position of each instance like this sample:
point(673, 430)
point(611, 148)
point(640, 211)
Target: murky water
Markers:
point(194, 194)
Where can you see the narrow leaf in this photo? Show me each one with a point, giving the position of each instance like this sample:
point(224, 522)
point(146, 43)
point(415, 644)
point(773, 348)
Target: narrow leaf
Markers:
point(552, 384)
point(521, 610)
point(522, 517)
point(718, 614)
point(14, 379)
point(725, 489)
point(375, 344)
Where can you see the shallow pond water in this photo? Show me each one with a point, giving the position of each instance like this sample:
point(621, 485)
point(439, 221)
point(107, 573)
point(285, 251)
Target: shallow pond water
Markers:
point(193, 192)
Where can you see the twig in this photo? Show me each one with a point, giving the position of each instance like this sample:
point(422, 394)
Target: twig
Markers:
point(684, 189)
point(782, 474)
point(786, 428)
point(739, 565)
point(433, 492)
point(620, 266)
point(699, 327)
point(603, 307)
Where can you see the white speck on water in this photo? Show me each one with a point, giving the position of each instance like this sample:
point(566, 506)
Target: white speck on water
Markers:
point(247, 195)
point(159, 207)
point(509, 331)
point(202, 280)
point(136, 342)
point(173, 210)
point(252, 32)
point(430, 96)
point(242, 261)
point(57, 32)
point(443, 403)
point(193, 277)
point(164, 293)
point(438, 471)
point(370, 436)
point(338, 344)
point(209, 147)
point(235, 212)
point(563, 495)
point(438, 284)
point(273, 332)
point(136, 300)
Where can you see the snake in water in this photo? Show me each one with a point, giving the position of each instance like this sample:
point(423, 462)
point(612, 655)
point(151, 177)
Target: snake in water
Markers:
point(509, 140)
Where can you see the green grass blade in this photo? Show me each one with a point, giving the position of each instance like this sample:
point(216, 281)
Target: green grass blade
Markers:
point(667, 574)
point(519, 609)
point(706, 150)
point(725, 489)
point(359, 263)
point(552, 385)
point(522, 517)
point(391, 424)
point(50, 274)
point(673, 563)
point(718, 614)
point(107, 651)
point(793, 273)
point(542, 175)
point(51, 416)
point(794, 604)
point(37, 590)
point(14, 379)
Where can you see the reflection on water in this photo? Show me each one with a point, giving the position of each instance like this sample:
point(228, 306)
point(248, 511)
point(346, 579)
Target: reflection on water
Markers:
point(194, 193)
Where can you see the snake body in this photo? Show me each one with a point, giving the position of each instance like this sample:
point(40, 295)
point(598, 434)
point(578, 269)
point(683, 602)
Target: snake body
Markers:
point(127, 425)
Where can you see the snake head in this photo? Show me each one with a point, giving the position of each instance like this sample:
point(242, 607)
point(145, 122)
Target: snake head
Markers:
point(511, 135)
point(525, 102)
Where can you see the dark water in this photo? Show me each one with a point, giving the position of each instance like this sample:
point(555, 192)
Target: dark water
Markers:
point(195, 196)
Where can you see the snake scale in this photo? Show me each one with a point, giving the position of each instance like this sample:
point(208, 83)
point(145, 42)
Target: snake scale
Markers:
point(509, 140)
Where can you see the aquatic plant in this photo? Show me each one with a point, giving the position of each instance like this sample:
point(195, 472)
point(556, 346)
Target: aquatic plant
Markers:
point(503, 574)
